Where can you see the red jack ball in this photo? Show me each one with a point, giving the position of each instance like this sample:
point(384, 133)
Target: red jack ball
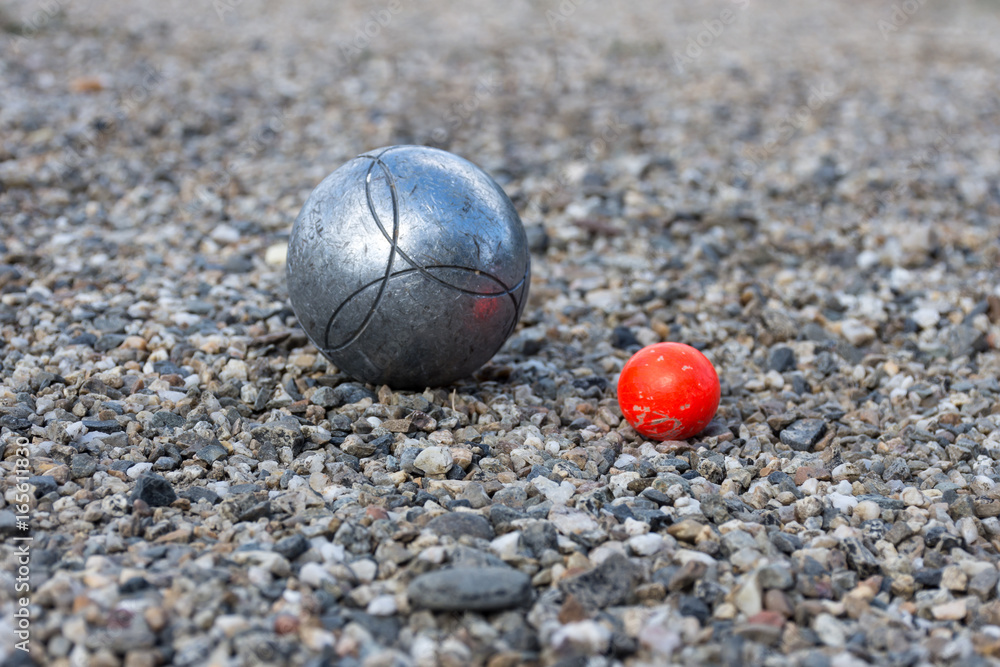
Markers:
point(668, 391)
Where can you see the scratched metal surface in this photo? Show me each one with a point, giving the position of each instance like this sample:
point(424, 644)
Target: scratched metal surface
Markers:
point(408, 266)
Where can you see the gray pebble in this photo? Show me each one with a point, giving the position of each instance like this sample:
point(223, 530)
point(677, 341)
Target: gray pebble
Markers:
point(470, 589)
point(608, 584)
point(457, 524)
point(803, 434)
point(154, 490)
point(212, 453)
point(82, 465)
point(781, 359)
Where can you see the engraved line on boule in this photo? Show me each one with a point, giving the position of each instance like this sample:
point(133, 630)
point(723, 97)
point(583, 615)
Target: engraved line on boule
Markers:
point(392, 254)
point(394, 240)
point(384, 151)
point(395, 249)
point(519, 287)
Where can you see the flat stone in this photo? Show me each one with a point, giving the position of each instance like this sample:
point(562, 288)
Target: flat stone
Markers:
point(882, 501)
point(212, 453)
point(470, 589)
point(103, 425)
point(803, 434)
point(457, 524)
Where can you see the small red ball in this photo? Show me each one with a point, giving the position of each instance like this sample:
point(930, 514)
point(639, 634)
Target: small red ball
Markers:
point(668, 391)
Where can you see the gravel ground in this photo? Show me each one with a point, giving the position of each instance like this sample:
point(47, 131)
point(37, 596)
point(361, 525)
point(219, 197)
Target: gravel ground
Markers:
point(808, 193)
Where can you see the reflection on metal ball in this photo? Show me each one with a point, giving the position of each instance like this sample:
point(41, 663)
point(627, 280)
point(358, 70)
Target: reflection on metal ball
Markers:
point(408, 266)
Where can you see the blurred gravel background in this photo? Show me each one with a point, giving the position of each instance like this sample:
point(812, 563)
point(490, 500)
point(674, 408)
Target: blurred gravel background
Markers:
point(809, 193)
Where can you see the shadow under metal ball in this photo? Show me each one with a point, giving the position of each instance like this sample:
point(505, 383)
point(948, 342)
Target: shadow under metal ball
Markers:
point(408, 266)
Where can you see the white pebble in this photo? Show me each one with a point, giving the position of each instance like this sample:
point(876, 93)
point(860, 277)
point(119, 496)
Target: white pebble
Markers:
point(810, 487)
point(867, 510)
point(313, 574)
point(634, 527)
point(856, 332)
point(235, 369)
point(625, 460)
point(276, 254)
point(645, 545)
point(383, 605)
point(967, 527)
point(842, 502)
point(586, 637)
point(135, 471)
point(925, 317)
point(912, 497)
point(844, 487)
point(533, 441)
point(506, 546)
point(365, 569)
point(619, 483)
point(435, 554)
point(559, 494)
point(434, 460)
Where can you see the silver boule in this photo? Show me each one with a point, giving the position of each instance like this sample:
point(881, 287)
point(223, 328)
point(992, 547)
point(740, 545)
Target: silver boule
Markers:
point(408, 266)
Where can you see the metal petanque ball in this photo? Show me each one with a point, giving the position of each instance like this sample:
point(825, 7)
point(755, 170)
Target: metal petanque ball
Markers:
point(408, 266)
